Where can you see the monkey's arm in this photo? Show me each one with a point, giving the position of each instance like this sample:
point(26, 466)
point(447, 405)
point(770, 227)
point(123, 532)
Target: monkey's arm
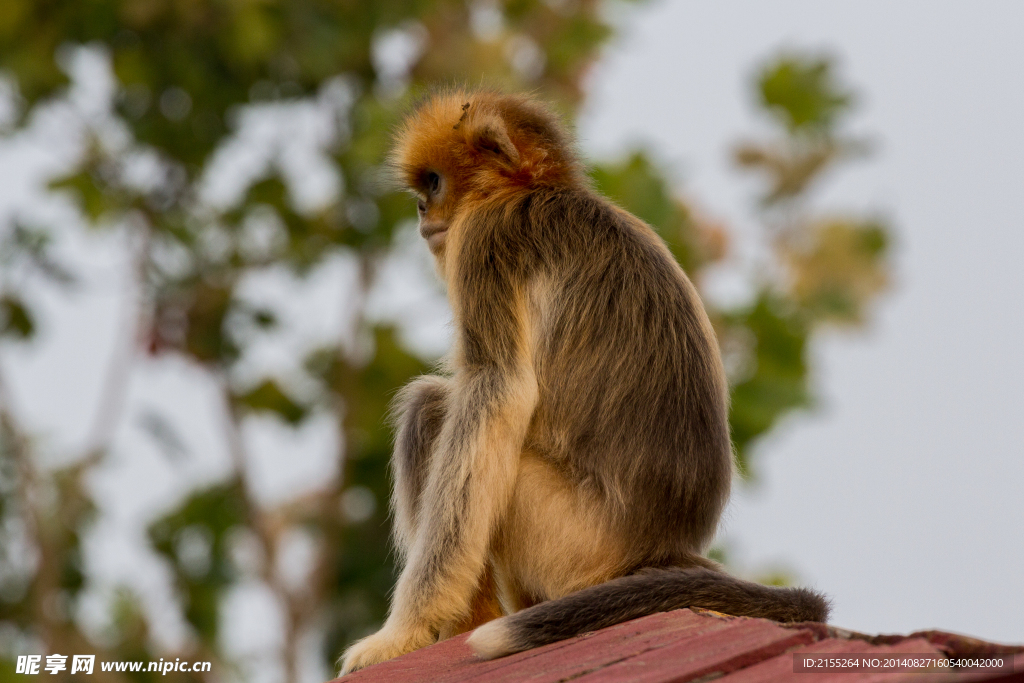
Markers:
point(469, 484)
point(417, 417)
point(471, 473)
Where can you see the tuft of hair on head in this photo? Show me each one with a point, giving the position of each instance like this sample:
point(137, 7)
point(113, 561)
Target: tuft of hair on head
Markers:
point(484, 139)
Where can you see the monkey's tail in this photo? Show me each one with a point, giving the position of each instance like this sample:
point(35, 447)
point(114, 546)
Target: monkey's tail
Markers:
point(637, 595)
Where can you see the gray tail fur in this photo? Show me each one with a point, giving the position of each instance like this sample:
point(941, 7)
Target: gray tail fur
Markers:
point(637, 595)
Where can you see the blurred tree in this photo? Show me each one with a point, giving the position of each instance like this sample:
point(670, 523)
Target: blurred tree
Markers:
point(826, 269)
point(188, 75)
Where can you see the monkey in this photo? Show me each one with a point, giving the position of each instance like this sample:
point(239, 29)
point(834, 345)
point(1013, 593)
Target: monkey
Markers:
point(567, 468)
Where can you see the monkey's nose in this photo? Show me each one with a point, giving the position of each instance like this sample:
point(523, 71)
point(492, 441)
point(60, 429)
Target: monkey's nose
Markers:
point(421, 206)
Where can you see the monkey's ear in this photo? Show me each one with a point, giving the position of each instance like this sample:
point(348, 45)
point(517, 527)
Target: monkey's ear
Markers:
point(492, 137)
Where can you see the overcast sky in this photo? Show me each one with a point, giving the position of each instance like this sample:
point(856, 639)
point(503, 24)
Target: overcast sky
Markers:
point(903, 495)
point(900, 496)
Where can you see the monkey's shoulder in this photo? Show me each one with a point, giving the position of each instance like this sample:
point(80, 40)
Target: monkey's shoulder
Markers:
point(568, 221)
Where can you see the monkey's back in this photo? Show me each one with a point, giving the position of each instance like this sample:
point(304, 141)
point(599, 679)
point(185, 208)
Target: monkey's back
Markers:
point(633, 397)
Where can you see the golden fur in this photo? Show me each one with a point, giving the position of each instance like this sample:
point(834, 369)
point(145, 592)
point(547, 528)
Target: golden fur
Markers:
point(572, 466)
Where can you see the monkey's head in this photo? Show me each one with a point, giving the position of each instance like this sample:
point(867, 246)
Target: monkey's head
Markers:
point(459, 149)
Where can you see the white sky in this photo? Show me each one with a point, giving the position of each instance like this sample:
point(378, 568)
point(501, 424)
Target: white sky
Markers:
point(902, 496)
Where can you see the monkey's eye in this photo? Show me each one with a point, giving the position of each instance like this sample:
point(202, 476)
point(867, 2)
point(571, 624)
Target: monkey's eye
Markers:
point(433, 183)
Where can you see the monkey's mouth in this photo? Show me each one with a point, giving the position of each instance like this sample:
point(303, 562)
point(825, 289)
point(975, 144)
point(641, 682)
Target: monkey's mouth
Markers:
point(434, 233)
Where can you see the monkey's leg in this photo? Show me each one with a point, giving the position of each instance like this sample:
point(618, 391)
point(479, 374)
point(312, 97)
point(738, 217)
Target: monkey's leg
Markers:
point(485, 607)
point(471, 478)
point(419, 411)
point(555, 539)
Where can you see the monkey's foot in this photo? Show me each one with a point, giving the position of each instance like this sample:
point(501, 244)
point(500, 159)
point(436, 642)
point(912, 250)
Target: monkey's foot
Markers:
point(383, 645)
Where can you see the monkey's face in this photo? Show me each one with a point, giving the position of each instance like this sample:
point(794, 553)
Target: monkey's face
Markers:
point(461, 150)
point(434, 207)
point(440, 158)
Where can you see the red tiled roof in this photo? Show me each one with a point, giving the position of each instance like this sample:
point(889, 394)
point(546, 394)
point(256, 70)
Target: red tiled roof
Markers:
point(680, 646)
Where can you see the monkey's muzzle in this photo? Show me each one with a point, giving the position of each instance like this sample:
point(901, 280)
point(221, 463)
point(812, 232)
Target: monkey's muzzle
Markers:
point(434, 234)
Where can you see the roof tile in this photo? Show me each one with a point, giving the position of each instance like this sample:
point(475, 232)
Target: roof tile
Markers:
point(685, 645)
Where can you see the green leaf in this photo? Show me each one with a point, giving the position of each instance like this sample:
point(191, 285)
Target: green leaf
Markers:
point(802, 93)
point(269, 397)
point(264, 318)
point(16, 321)
point(778, 383)
point(838, 269)
point(94, 200)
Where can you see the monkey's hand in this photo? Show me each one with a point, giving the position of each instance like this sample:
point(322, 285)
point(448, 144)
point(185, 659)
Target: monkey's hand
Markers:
point(385, 644)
